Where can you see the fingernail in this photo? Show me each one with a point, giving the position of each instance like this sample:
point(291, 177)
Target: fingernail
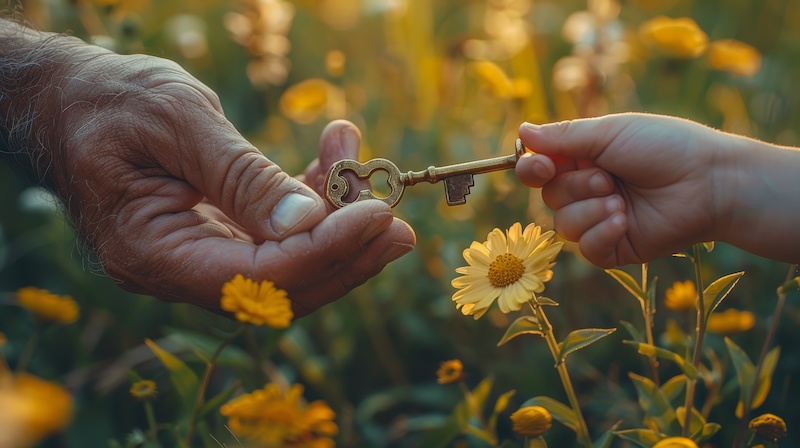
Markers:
point(614, 204)
point(599, 183)
point(379, 223)
point(540, 170)
point(290, 211)
point(348, 138)
point(393, 252)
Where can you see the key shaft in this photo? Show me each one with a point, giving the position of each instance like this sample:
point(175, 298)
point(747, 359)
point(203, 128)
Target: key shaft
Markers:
point(436, 174)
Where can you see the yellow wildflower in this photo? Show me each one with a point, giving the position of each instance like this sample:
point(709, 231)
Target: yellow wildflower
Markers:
point(730, 321)
point(493, 78)
point(733, 56)
point(507, 267)
point(3, 338)
point(305, 101)
point(48, 306)
point(768, 425)
point(531, 421)
point(143, 389)
point(682, 296)
point(257, 304)
point(450, 372)
point(31, 409)
point(680, 37)
point(275, 417)
point(676, 442)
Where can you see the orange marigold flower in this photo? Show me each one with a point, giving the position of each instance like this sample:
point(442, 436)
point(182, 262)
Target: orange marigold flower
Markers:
point(733, 56)
point(676, 442)
point(681, 37)
point(307, 100)
point(255, 303)
point(48, 306)
point(450, 372)
point(275, 417)
point(31, 409)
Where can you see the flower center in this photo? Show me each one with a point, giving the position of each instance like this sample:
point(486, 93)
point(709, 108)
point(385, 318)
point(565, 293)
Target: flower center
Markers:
point(505, 270)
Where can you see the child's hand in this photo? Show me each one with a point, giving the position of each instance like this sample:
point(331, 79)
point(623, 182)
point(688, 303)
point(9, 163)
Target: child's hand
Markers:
point(629, 188)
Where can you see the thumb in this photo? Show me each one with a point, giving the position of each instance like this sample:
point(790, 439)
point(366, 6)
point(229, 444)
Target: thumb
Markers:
point(574, 139)
point(234, 176)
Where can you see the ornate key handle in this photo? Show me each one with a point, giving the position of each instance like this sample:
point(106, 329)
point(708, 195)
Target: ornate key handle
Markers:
point(457, 178)
point(337, 185)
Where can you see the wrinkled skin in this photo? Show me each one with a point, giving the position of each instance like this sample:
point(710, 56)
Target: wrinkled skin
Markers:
point(174, 201)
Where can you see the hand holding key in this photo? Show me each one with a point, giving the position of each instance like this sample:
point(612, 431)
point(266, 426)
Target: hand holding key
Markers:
point(457, 178)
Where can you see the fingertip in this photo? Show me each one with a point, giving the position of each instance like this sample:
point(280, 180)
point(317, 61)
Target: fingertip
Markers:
point(535, 170)
point(599, 244)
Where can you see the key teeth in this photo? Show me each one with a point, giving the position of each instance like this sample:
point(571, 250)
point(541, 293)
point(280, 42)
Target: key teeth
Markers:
point(457, 188)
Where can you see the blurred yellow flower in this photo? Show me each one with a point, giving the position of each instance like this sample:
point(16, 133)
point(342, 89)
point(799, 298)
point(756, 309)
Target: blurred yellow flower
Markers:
point(507, 267)
point(730, 321)
point(493, 78)
point(256, 304)
point(768, 425)
point(31, 409)
point(531, 421)
point(305, 101)
point(682, 296)
point(278, 418)
point(680, 37)
point(143, 389)
point(3, 338)
point(733, 56)
point(335, 61)
point(676, 442)
point(450, 372)
point(47, 306)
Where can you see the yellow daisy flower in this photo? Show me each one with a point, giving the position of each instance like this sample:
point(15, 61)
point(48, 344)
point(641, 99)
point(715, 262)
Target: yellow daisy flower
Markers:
point(143, 389)
point(48, 306)
point(682, 296)
point(275, 417)
point(450, 372)
point(255, 303)
point(508, 268)
point(769, 426)
point(730, 321)
point(681, 37)
point(733, 56)
point(531, 421)
point(31, 409)
point(676, 442)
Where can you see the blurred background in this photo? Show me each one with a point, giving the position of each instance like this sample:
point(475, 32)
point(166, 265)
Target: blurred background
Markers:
point(427, 82)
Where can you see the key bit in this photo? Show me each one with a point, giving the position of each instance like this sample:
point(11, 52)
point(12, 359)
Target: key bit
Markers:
point(456, 188)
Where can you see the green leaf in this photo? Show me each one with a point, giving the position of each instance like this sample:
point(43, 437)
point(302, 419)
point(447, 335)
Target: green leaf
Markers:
point(182, 377)
point(523, 325)
point(204, 346)
point(718, 290)
point(655, 404)
point(499, 406)
point(630, 284)
point(558, 410)
point(764, 380)
point(707, 433)
point(696, 421)
point(644, 438)
point(605, 440)
point(458, 422)
point(635, 334)
point(546, 301)
point(579, 339)
point(536, 442)
point(662, 353)
point(745, 374)
point(673, 387)
point(219, 399)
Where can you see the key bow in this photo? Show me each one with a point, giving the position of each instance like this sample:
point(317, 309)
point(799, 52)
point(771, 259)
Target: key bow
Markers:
point(338, 186)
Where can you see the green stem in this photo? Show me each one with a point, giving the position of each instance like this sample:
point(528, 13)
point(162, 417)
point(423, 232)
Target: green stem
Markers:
point(151, 420)
point(27, 354)
point(582, 430)
point(764, 350)
point(201, 390)
point(648, 325)
point(700, 331)
point(483, 432)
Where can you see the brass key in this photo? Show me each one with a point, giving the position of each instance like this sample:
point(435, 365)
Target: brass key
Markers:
point(457, 178)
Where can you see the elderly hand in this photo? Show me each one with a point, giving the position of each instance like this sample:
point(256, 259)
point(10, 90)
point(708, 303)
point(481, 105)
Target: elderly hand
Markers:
point(174, 201)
